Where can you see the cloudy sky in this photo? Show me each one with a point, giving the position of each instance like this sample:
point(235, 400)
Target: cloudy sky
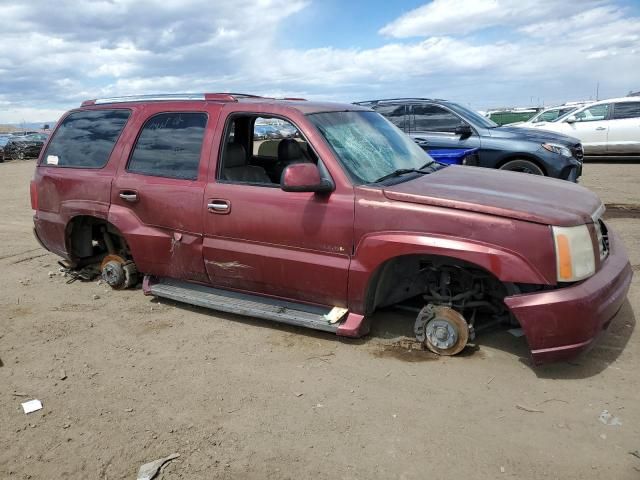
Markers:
point(483, 53)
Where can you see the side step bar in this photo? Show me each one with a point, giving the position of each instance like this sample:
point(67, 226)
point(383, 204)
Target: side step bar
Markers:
point(297, 314)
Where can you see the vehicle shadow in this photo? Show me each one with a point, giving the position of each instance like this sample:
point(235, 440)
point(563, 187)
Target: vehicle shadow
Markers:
point(392, 326)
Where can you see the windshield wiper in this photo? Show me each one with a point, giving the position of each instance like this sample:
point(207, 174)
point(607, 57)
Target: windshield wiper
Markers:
point(430, 163)
point(397, 173)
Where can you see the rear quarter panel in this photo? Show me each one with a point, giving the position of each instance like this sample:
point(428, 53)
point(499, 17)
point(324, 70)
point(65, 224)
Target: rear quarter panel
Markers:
point(67, 192)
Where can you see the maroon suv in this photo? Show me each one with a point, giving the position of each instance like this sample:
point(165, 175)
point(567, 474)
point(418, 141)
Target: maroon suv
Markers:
point(321, 227)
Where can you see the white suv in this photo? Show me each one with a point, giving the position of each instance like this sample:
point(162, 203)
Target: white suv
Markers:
point(608, 128)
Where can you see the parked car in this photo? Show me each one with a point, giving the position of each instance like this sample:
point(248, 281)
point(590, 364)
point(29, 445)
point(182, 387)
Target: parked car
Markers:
point(440, 124)
point(506, 116)
point(607, 129)
point(360, 218)
point(3, 141)
point(27, 146)
point(22, 133)
point(455, 156)
point(551, 114)
point(263, 132)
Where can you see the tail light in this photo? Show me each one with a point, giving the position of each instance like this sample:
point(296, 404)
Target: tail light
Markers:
point(34, 195)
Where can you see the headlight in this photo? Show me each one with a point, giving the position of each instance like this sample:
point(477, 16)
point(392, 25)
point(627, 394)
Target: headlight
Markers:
point(559, 149)
point(575, 259)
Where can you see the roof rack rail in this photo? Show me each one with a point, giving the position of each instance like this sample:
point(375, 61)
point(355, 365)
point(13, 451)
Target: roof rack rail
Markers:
point(224, 97)
point(401, 99)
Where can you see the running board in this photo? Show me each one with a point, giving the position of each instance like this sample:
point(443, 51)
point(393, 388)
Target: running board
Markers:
point(298, 314)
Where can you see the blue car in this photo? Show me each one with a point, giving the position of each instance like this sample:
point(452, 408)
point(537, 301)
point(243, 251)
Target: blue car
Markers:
point(444, 125)
point(455, 156)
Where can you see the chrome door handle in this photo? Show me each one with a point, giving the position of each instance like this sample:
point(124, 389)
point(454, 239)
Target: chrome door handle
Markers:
point(129, 197)
point(601, 128)
point(219, 206)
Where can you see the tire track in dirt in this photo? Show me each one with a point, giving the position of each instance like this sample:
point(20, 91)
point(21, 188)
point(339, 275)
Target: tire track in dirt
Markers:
point(621, 210)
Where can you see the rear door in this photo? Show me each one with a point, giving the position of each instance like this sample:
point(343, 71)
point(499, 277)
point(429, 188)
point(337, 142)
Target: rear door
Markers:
point(434, 128)
point(592, 128)
point(158, 192)
point(624, 129)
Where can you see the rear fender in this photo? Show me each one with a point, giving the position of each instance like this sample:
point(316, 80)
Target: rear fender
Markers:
point(158, 251)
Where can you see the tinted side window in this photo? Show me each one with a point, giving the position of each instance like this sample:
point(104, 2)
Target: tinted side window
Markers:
point(169, 146)
point(85, 139)
point(626, 110)
point(431, 118)
point(394, 113)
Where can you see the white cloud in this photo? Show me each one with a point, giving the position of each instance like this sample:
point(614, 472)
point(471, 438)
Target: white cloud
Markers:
point(553, 50)
point(444, 17)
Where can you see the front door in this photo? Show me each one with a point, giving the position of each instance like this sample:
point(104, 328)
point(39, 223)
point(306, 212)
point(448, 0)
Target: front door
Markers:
point(261, 239)
point(434, 128)
point(158, 194)
point(592, 128)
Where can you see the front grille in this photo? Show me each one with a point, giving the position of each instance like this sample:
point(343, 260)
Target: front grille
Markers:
point(603, 238)
point(577, 152)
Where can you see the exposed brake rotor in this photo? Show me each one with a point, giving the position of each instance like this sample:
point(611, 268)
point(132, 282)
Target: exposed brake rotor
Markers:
point(441, 329)
point(118, 272)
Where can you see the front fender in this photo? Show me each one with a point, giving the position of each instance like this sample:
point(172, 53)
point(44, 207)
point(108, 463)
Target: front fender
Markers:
point(375, 249)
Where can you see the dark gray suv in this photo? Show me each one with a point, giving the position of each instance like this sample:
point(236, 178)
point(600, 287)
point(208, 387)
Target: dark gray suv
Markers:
point(441, 124)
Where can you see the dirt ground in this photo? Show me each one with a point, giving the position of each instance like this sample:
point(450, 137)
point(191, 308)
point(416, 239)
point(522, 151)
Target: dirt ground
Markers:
point(242, 398)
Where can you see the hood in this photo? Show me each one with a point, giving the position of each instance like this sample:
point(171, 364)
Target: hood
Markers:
point(506, 194)
point(533, 135)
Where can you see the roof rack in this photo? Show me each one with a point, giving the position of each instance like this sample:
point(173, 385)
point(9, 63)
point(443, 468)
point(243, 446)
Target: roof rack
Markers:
point(401, 99)
point(224, 97)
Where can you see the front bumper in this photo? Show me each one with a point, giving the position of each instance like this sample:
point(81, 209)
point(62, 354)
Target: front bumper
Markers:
point(561, 323)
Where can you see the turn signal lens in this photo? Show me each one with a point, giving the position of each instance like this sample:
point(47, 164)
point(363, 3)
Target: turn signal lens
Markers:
point(564, 257)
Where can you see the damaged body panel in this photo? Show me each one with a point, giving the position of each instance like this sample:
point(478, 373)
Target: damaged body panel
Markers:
point(184, 192)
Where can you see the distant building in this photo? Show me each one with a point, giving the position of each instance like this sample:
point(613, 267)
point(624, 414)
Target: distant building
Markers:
point(8, 128)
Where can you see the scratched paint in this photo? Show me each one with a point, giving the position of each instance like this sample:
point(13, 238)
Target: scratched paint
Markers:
point(228, 265)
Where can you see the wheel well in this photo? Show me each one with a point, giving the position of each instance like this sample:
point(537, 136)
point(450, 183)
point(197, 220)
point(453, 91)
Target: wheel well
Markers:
point(441, 280)
point(522, 156)
point(89, 239)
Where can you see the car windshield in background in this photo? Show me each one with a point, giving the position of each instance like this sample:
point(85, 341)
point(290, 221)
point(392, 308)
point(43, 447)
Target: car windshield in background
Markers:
point(472, 116)
point(368, 145)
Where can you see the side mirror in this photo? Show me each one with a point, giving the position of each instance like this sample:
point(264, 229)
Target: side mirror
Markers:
point(304, 177)
point(571, 119)
point(463, 131)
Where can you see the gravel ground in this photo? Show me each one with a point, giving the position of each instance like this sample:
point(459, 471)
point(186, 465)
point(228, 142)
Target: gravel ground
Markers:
point(126, 379)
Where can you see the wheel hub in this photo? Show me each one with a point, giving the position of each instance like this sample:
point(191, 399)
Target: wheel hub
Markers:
point(118, 272)
point(441, 329)
point(441, 333)
point(113, 274)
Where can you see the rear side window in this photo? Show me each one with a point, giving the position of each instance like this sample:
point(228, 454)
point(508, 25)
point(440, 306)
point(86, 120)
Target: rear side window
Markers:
point(169, 145)
point(431, 118)
point(626, 110)
point(85, 139)
point(394, 113)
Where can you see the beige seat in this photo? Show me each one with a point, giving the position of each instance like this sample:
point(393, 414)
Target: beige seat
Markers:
point(236, 168)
